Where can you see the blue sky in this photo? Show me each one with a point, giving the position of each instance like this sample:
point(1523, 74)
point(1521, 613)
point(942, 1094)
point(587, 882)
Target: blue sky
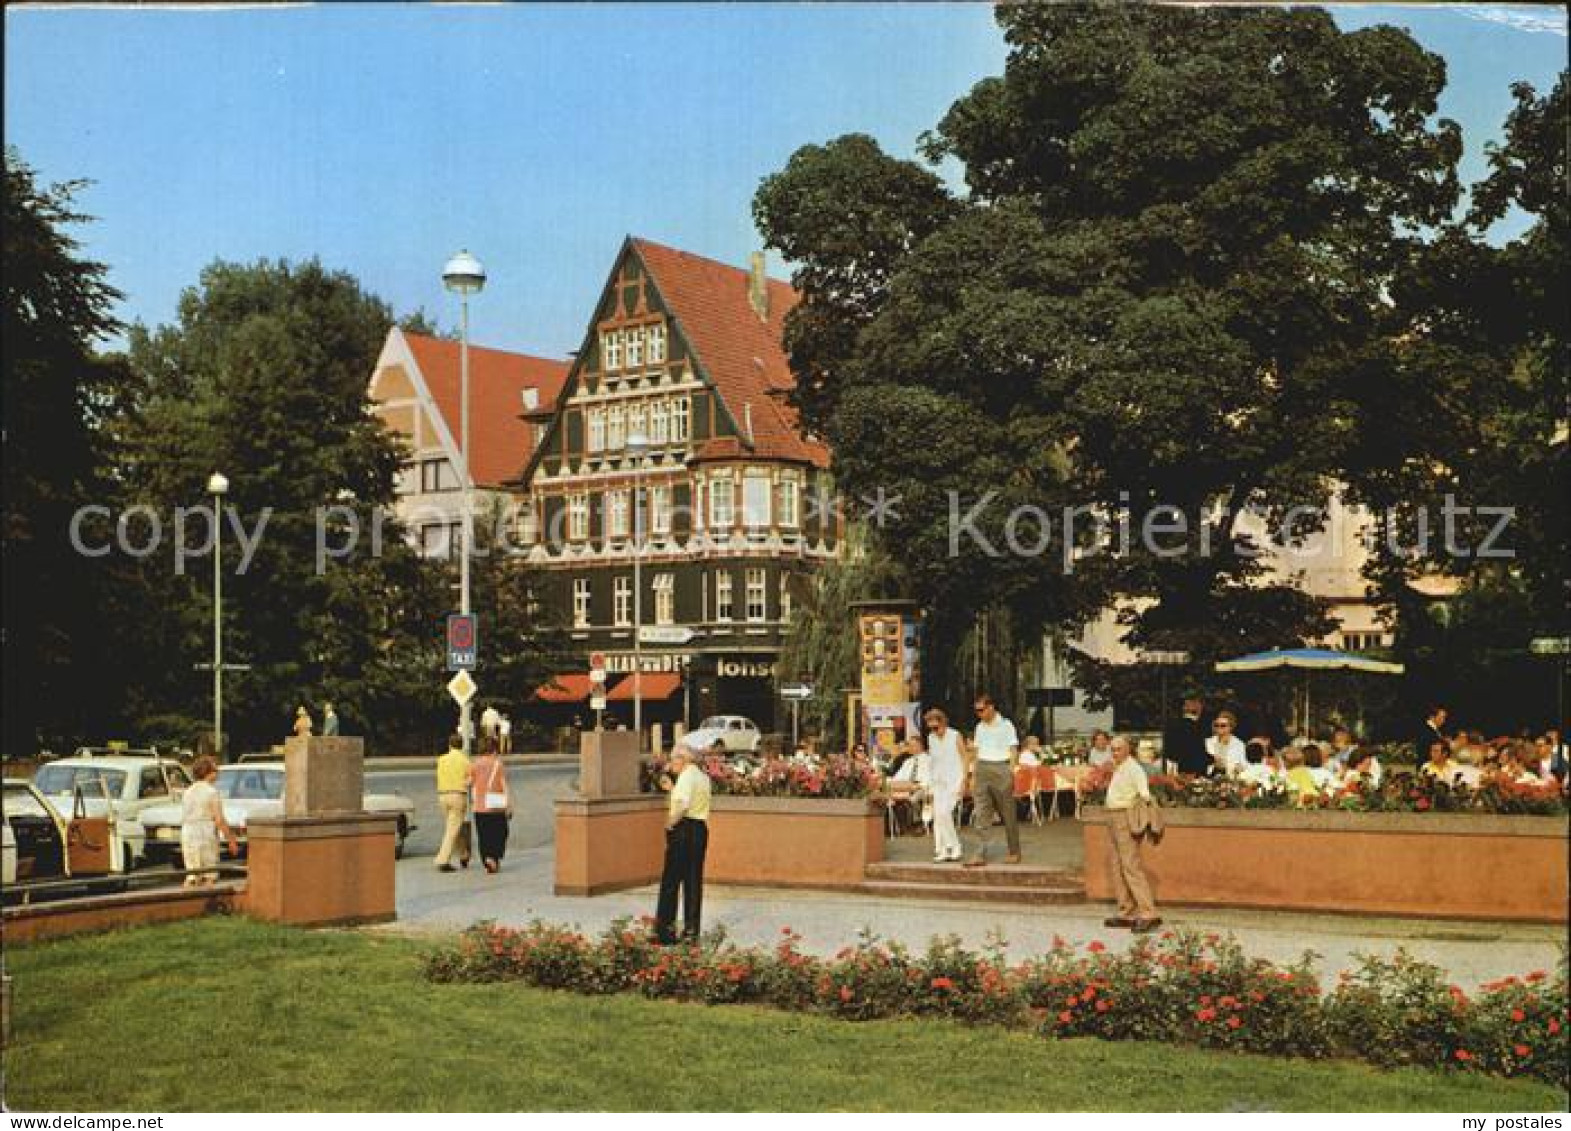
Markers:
point(383, 138)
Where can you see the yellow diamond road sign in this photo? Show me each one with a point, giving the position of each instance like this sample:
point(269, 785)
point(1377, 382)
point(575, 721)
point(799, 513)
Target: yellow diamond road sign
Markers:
point(462, 688)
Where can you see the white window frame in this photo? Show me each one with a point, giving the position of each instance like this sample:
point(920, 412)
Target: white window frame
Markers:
point(790, 515)
point(756, 509)
point(594, 430)
point(681, 419)
point(578, 517)
point(611, 348)
point(722, 503)
point(580, 602)
point(636, 414)
point(659, 422)
point(660, 508)
point(656, 350)
point(785, 597)
point(616, 512)
point(757, 595)
point(665, 598)
point(725, 598)
point(615, 428)
point(622, 601)
point(527, 523)
point(635, 347)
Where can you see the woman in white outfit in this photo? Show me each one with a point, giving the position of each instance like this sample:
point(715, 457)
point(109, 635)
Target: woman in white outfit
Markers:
point(946, 770)
point(201, 820)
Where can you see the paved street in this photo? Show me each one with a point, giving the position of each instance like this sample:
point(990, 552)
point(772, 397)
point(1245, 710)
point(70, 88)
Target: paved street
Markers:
point(534, 787)
point(429, 901)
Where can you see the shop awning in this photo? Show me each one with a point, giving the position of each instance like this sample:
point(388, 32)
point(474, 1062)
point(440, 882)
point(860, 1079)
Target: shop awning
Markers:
point(570, 688)
point(656, 685)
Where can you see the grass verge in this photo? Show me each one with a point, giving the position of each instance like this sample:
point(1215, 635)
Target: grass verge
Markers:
point(231, 1015)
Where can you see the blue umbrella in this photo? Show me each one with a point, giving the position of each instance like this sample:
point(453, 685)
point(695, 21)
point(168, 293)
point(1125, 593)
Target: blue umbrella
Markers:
point(1310, 659)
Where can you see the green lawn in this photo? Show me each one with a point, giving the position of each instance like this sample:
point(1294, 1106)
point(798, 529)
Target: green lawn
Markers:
point(287, 1020)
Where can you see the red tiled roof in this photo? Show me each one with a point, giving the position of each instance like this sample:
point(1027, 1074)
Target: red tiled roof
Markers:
point(741, 352)
point(573, 687)
point(657, 685)
point(499, 441)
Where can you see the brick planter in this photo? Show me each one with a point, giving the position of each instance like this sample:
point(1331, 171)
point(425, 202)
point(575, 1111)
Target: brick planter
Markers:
point(607, 844)
point(1432, 865)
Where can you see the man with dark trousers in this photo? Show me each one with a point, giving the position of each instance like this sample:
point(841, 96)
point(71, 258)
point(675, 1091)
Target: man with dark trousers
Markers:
point(1184, 741)
point(686, 841)
point(1429, 733)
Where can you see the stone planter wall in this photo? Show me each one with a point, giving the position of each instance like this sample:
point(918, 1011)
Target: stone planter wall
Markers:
point(607, 844)
point(1434, 865)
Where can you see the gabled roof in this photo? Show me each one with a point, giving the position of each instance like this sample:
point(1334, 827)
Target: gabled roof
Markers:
point(742, 354)
point(498, 436)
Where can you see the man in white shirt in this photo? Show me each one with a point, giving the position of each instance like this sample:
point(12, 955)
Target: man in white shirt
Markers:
point(490, 720)
point(1226, 749)
point(686, 843)
point(1136, 909)
point(995, 753)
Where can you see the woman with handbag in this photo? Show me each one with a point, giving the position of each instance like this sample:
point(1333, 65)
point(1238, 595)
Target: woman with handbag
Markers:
point(492, 803)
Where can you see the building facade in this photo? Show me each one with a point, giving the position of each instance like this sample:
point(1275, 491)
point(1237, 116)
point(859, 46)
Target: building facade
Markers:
point(724, 509)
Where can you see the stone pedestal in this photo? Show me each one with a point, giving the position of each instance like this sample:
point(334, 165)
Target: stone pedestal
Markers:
point(321, 871)
point(608, 763)
point(323, 775)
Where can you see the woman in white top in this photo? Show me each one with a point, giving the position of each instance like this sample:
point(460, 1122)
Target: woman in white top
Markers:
point(946, 773)
point(201, 820)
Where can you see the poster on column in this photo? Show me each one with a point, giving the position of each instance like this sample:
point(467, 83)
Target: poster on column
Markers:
point(891, 679)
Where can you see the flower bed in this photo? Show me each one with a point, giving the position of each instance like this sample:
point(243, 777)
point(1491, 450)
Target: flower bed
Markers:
point(1397, 793)
point(835, 777)
point(1183, 986)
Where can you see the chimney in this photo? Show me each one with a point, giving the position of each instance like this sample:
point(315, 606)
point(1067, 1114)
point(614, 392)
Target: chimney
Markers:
point(758, 287)
point(531, 399)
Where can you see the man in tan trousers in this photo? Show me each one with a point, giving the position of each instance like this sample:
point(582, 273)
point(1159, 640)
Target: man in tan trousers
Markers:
point(1136, 909)
point(452, 794)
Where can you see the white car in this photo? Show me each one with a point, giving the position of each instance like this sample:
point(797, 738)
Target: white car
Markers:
point(256, 789)
point(736, 734)
point(120, 787)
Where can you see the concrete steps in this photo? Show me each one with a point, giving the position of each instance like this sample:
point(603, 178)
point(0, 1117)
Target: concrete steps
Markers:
point(997, 883)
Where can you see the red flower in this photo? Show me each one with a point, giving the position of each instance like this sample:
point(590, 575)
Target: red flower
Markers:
point(1518, 1015)
point(943, 984)
point(1065, 1017)
point(1090, 993)
point(1463, 1055)
point(1205, 1015)
point(1421, 804)
point(1096, 947)
point(1554, 1026)
point(1103, 1006)
point(1521, 1050)
point(1234, 1021)
point(845, 993)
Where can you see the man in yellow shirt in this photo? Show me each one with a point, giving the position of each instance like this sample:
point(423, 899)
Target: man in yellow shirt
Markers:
point(452, 794)
point(686, 842)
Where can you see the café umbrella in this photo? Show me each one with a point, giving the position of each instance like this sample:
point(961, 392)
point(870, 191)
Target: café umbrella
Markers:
point(1308, 660)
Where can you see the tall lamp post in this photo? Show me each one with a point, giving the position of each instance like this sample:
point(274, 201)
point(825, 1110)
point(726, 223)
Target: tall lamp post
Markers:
point(637, 448)
point(218, 487)
point(464, 276)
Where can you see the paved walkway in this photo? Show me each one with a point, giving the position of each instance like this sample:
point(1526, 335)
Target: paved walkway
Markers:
point(429, 901)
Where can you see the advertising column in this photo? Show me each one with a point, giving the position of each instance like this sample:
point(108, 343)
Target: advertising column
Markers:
point(890, 644)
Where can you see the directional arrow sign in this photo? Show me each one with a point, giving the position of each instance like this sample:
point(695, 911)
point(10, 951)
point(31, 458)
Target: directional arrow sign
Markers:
point(796, 691)
point(665, 634)
point(462, 688)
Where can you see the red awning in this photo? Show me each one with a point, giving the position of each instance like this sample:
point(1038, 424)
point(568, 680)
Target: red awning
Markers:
point(570, 688)
point(657, 685)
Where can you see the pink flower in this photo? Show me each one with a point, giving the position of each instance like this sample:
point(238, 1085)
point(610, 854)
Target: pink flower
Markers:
point(845, 993)
point(1234, 1021)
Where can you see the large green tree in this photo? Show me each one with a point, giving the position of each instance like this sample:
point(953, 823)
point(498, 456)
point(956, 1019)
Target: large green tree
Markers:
point(1165, 284)
point(60, 682)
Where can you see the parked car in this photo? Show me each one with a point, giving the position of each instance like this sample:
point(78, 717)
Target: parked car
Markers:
point(256, 789)
point(41, 844)
point(118, 786)
point(738, 735)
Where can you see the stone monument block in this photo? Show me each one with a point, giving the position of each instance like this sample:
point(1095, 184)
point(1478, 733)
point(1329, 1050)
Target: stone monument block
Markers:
point(323, 775)
point(608, 763)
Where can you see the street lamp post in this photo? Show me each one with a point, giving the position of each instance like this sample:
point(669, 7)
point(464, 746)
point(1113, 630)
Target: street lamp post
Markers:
point(218, 487)
point(637, 446)
point(464, 276)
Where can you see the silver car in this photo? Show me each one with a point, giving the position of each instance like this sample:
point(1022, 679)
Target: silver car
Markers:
point(737, 734)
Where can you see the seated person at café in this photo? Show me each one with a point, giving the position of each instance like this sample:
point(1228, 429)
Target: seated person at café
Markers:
point(1365, 769)
point(1343, 748)
point(1101, 752)
point(1265, 767)
point(1438, 763)
point(1225, 748)
point(1031, 752)
point(1326, 772)
point(1300, 781)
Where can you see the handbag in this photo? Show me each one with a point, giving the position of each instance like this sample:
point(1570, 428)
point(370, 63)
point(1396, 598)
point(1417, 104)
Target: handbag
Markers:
point(494, 800)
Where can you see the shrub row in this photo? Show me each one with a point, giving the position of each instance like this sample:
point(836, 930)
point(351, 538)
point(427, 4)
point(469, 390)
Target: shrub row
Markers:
point(1182, 986)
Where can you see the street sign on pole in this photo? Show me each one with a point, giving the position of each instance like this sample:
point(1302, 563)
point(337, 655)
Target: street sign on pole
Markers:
point(1550, 646)
point(796, 691)
point(463, 644)
point(462, 688)
point(665, 634)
